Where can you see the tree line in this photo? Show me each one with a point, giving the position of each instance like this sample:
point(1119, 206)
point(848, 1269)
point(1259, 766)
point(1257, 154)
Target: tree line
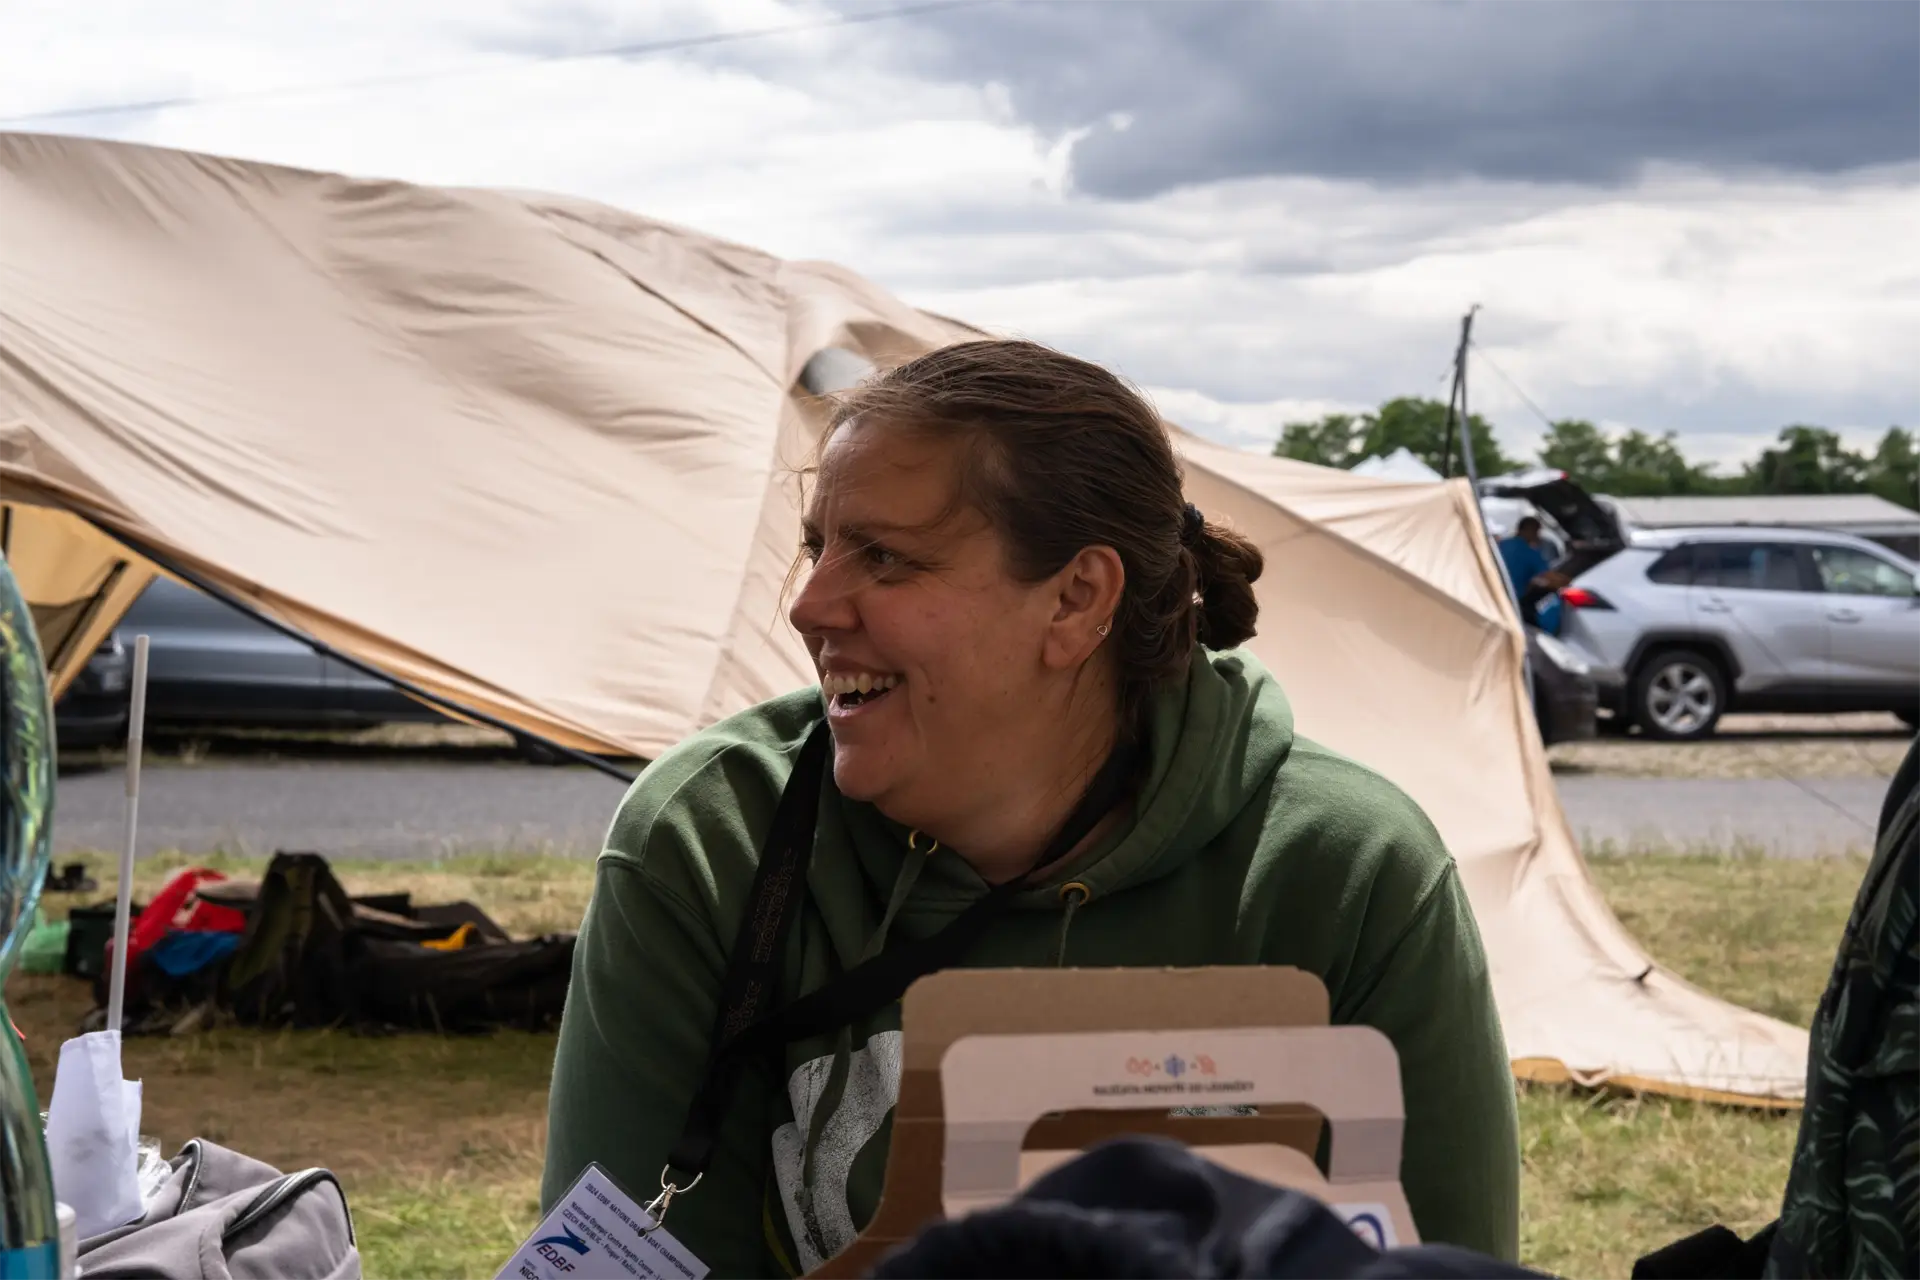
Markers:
point(1626, 464)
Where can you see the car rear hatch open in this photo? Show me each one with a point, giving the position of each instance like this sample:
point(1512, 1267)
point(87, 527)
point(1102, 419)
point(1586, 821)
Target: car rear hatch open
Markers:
point(1591, 532)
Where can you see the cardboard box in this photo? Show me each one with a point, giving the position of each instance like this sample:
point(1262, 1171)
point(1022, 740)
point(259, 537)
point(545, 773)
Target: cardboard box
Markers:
point(1009, 1072)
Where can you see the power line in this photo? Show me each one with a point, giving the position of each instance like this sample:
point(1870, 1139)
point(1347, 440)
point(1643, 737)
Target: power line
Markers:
point(454, 73)
point(1514, 386)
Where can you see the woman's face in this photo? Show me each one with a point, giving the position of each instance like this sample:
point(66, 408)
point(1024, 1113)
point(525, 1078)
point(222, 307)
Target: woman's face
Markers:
point(939, 668)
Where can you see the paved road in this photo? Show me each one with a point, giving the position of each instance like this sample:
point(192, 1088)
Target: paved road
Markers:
point(1801, 818)
point(407, 810)
point(342, 809)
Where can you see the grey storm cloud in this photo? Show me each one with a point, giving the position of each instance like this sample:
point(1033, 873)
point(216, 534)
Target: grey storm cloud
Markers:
point(1192, 91)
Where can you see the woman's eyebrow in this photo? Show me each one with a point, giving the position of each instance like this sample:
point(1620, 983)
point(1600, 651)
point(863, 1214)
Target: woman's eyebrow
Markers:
point(863, 530)
point(872, 529)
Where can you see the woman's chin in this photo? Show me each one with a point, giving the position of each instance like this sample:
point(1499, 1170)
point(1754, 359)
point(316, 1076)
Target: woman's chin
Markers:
point(858, 775)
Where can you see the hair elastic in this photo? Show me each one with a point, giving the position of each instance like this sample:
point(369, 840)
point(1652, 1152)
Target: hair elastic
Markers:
point(1192, 525)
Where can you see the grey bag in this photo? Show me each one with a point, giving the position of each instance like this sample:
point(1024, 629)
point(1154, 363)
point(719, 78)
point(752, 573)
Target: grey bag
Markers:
point(224, 1216)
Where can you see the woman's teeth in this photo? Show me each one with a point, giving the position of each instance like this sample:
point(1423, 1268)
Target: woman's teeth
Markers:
point(866, 682)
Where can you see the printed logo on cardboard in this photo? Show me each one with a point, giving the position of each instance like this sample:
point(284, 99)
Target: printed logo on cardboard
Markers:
point(1173, 1074)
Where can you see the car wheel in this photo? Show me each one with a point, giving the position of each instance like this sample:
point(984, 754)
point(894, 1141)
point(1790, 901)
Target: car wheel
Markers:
point(1679, 695)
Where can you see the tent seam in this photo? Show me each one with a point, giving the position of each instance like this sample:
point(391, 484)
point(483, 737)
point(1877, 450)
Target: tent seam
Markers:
point(551, 216)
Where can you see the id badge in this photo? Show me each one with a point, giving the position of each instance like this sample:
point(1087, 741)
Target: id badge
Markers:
point(596, 1231)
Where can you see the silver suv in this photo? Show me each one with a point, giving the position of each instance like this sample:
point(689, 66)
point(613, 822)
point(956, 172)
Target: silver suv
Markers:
point(1684, 625)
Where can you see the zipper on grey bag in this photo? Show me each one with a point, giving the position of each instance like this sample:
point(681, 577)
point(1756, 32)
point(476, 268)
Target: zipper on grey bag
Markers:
point(278, 1194)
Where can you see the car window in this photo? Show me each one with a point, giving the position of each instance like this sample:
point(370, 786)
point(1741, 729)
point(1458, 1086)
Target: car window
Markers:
point(1850, 572)
point(1674, 569)
point(1748, 566)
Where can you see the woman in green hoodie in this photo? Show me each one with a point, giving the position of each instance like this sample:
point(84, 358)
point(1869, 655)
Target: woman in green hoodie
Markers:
point(1045, 749)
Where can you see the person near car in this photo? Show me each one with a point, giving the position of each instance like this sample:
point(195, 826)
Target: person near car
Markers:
point(1027, 646)
point(1530, 574)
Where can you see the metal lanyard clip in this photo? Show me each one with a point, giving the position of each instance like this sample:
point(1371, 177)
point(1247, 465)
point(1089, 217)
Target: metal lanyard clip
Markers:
point(657, 1207)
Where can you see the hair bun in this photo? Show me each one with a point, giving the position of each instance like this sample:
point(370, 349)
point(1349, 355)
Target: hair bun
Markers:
point(1229, 565)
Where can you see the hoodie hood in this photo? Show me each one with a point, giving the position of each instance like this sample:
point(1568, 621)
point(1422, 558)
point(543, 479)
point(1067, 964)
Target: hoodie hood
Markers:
point(1212, 742)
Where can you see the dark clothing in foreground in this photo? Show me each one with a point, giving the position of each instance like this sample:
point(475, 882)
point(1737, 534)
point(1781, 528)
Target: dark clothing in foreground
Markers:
point(1150, 1207)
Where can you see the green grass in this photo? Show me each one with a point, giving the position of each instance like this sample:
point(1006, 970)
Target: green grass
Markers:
point(1606, 1177)
point(438, 1141)
point(443, 1228)
point(1758, 931)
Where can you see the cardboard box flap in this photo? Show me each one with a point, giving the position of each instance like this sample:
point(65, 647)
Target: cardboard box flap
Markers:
point(942, 1007)
point(995, 1086)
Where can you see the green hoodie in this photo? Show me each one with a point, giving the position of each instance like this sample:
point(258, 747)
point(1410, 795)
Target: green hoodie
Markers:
point(1247, 846)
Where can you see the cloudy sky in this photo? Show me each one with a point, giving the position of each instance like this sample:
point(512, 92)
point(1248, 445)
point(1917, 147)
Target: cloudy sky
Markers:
point(1699, 217)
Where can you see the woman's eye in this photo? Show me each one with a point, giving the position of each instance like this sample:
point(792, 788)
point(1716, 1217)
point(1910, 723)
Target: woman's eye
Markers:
point(881, 558)
point(811, 549)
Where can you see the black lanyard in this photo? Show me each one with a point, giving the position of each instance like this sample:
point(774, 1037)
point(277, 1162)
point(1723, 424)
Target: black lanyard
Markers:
point(746, 1026)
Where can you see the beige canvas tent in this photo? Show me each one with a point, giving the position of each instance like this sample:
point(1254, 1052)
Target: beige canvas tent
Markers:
point(535, 455)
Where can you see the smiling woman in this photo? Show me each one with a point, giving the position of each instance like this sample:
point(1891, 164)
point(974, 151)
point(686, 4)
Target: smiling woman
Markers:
point(1034, 742)
point(1014, 555)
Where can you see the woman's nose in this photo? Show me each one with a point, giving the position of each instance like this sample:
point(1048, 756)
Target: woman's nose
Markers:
point(824, 602)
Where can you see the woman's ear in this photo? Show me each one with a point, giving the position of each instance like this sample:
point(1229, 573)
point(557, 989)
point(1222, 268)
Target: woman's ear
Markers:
point(1088, 591)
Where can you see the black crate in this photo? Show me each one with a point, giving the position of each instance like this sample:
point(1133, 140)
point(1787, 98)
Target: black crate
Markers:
point(88, 936)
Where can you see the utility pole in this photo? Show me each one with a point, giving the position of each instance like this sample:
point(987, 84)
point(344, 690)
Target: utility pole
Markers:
point(1458, 395)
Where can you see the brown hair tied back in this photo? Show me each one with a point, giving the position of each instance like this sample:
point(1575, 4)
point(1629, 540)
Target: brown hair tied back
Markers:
point(1061, 455)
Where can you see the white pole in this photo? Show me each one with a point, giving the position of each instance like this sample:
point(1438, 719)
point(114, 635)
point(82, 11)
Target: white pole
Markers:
point(123, 904)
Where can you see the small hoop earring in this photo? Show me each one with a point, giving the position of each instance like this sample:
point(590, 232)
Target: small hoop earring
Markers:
point(1104, 628)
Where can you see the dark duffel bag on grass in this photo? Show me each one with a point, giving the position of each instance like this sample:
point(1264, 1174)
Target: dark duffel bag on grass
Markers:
point(312, 956)
point(488, 984)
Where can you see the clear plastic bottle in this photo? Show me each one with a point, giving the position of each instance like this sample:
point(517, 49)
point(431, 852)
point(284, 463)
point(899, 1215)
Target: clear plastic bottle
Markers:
point(29, 1229)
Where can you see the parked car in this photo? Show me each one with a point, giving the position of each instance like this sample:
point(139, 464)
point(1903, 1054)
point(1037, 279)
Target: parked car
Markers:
point(210, 664)
point(93, 711)
point(1565, 699)
point(1683, 625)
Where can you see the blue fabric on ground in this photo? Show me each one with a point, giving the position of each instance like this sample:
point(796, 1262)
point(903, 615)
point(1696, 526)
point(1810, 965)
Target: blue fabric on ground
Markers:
point(181, 952)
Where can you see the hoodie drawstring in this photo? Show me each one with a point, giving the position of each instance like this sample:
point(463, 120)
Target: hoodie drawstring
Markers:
point(1075, 895)
point(836, 1086)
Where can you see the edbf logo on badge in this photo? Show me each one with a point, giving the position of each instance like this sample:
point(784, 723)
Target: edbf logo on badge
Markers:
point(549, 1248)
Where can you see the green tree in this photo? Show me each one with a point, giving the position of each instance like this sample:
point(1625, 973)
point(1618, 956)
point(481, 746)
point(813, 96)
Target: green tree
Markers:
point(1647, 466)
point(1581, 450)
point(1804, 459)
point(1417, 425)
point(1420, 426)
point(1807, 460)
point(1331, 441)
point(1630, 465)
point(1894, 471)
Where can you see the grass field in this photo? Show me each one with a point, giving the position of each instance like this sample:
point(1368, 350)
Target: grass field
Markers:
point(438, 1140)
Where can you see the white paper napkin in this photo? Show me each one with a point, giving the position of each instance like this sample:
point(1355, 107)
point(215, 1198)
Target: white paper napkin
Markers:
point(93, 1134)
